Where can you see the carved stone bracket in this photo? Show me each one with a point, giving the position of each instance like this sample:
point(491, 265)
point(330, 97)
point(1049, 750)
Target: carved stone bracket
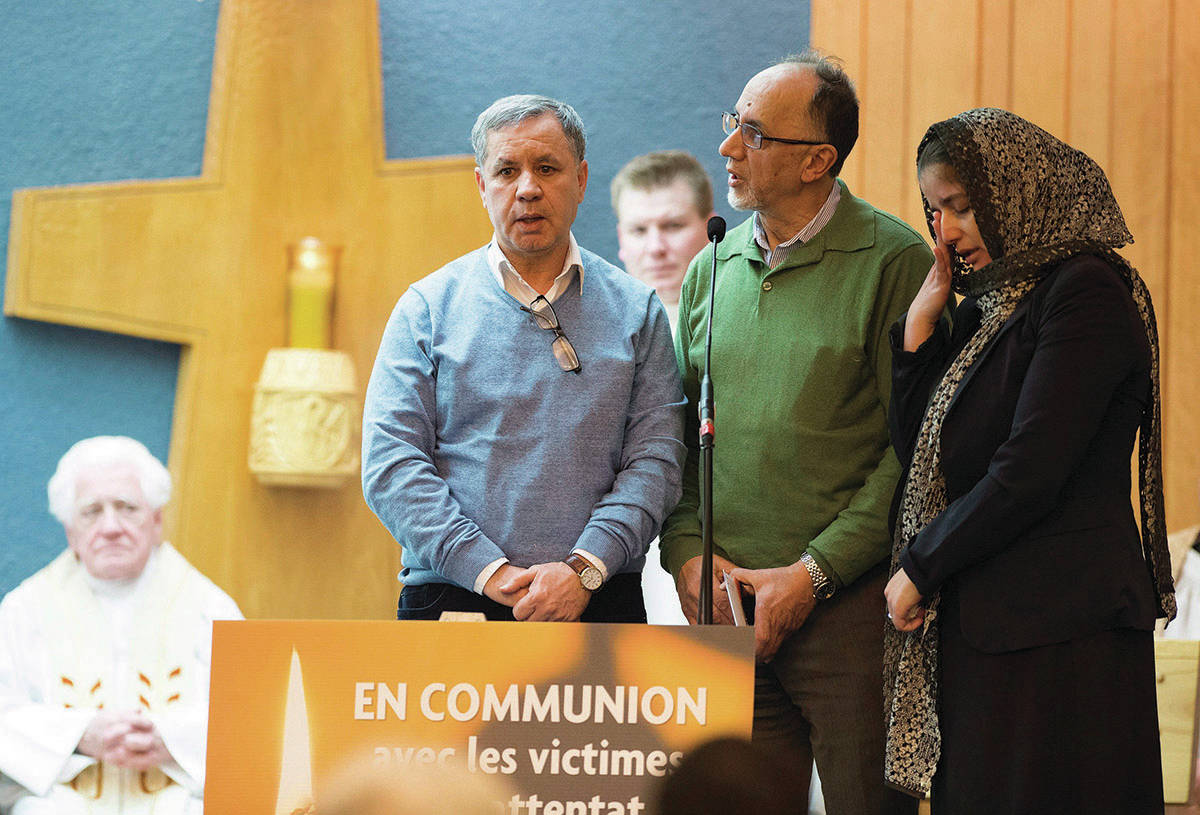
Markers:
point(304, 420)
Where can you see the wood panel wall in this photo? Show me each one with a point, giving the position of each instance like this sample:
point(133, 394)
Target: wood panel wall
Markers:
point(1119, 79)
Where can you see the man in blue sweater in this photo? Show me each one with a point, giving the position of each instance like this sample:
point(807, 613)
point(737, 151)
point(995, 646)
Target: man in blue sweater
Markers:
point(522, 427)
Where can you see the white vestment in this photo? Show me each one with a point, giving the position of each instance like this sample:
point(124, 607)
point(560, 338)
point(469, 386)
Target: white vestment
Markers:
point(1185, 567)
point(70, 644)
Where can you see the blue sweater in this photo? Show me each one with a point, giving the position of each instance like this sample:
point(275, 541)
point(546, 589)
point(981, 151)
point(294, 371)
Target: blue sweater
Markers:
point(477, 445)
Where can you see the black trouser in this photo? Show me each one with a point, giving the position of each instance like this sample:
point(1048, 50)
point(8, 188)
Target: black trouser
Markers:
point(619, 600)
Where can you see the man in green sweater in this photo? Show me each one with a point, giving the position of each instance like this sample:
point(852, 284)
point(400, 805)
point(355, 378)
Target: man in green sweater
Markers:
point(803, 472)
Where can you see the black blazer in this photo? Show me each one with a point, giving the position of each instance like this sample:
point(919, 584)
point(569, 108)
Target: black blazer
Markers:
point(1039, 542)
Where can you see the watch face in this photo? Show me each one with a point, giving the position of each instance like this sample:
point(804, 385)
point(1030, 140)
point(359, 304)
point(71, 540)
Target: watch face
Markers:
point(590, 578)
point(823, 587)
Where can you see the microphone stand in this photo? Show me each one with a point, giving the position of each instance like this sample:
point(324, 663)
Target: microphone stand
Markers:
point(708, 431)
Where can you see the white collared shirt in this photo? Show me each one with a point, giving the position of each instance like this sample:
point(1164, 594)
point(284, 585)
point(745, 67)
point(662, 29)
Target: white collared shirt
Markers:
point(774, 257)
point(512, 282)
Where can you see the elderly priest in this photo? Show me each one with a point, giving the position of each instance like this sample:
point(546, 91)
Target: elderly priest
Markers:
point(104, 653)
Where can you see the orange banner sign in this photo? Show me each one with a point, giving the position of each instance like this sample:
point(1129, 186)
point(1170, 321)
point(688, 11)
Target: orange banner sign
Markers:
point(571, 717)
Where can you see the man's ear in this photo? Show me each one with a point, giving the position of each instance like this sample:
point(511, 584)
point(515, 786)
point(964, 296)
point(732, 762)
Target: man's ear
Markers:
point(582, 177)
point(479, 181)
point(819, 162)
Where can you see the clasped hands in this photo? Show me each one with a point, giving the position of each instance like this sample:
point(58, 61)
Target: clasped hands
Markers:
point(783, 599)
point(545, 592)
point(124, 739)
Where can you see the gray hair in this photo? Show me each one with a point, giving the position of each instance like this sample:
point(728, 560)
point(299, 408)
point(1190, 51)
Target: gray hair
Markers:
point(511, 110)
point(106, 451)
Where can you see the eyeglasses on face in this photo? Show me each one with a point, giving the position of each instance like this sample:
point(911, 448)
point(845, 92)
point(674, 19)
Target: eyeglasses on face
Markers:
point(544, 316)
point(752, 137)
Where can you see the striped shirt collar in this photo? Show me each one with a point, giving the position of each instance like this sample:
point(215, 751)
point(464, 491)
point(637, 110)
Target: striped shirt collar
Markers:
point(512, 282)
point(778, 255)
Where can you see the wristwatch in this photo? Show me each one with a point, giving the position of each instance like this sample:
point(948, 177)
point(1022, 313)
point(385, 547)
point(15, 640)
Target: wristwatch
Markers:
point(823, 587)
point(589, 576)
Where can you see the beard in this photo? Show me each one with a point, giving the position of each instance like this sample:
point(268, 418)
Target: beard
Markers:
point(742, 201)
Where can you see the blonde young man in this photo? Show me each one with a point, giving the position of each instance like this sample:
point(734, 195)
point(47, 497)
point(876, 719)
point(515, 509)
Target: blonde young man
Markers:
point(663, 201)
point(104, 653)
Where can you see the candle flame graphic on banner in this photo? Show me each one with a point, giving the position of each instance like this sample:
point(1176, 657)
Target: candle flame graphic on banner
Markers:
point(295, 770)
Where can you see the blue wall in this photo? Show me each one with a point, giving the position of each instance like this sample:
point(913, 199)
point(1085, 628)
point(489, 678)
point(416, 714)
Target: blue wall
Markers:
point(117, 89)
point(642, 75)
point(91, 92)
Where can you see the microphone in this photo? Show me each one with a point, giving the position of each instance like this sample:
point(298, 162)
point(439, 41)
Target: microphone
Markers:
point(716, 234)
point(708, 432)
point(716, 229)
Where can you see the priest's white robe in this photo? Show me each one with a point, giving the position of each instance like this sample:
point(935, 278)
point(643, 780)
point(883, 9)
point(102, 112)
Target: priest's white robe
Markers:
point(70, 644)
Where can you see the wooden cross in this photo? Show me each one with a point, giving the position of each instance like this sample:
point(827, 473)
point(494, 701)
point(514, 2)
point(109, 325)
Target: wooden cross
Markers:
point(294, 148)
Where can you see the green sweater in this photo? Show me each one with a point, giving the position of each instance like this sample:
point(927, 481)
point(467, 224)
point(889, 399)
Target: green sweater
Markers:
point(801, 370)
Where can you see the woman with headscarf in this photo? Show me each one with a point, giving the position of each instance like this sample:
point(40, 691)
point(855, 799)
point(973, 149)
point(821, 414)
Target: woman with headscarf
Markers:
point(1019, 665)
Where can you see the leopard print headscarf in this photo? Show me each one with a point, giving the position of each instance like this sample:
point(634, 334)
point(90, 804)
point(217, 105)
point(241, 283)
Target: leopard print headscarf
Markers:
point(1037, 202)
